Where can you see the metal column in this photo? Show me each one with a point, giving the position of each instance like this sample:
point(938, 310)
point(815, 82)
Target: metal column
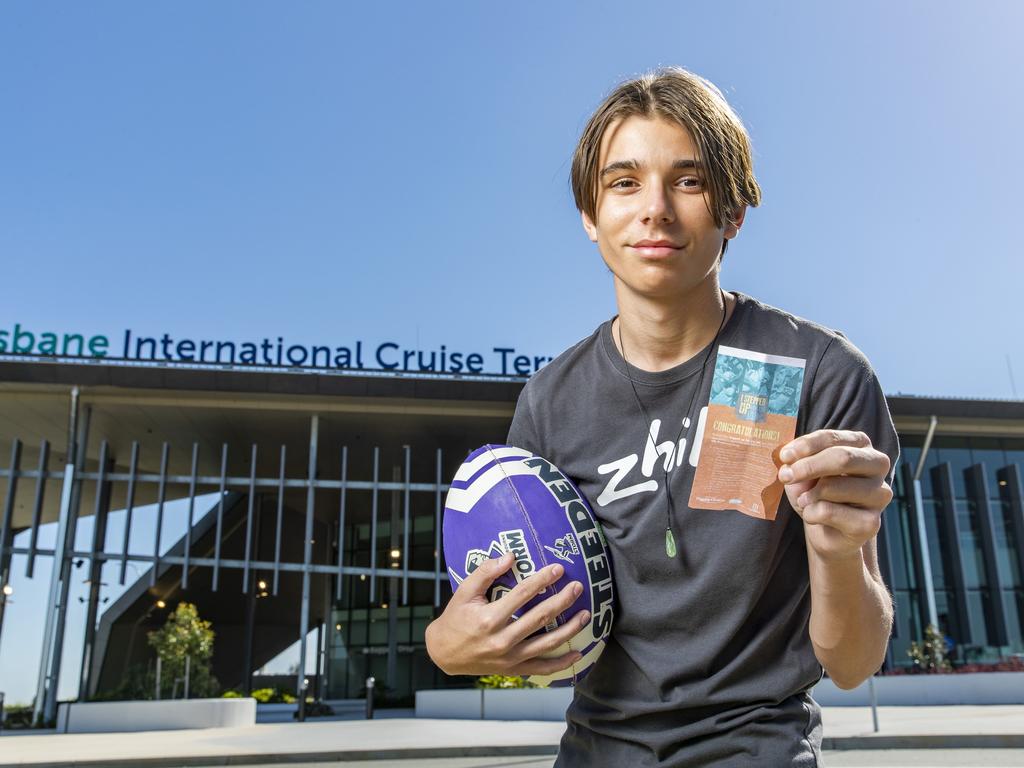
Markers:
point(7, 526)
point(925, 561)
point(45, 705)
point(919, 547)
point(977, 487)
point(99, 535)
point(945, 492)
point(1011, 491)
point(307, 554)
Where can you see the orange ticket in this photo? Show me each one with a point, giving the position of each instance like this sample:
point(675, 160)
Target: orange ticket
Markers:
point(752, 413)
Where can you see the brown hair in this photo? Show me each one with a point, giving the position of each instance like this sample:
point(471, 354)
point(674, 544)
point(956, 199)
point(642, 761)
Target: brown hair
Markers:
point(723, 145)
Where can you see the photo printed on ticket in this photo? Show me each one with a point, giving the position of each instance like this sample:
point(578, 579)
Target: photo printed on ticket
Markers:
point(751, 414)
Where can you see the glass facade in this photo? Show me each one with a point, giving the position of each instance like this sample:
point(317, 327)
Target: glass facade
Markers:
point(971, 505)
point(972, 522)
point(380, 633)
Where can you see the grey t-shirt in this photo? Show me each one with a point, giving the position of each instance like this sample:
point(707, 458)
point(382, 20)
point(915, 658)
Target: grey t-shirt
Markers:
point(709, 660)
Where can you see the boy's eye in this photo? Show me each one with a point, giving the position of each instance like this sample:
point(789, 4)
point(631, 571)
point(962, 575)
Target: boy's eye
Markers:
point(691, 182)
point(622, 183)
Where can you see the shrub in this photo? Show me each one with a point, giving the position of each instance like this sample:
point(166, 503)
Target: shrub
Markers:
point(503, 681)
point(273, 696)
point(930, 655)
point(18, 716)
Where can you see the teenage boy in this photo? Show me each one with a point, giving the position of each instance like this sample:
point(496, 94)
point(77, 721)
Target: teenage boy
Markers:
point(728, 605)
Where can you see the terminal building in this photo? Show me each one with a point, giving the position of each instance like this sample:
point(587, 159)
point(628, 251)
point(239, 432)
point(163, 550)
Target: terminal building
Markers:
point(315, 499)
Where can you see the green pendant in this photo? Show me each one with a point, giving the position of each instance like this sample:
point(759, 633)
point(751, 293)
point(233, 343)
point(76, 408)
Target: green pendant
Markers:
point(670, 543)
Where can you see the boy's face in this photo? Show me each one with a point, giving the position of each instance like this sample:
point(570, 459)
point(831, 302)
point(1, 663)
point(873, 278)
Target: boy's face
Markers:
point(653, 226)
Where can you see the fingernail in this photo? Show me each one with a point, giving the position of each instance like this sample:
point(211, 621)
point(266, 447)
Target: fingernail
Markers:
point(786, 475)
point(557, 571)
point(584, 617)
point(804, 500)
point(577, 589)
point(786, 455)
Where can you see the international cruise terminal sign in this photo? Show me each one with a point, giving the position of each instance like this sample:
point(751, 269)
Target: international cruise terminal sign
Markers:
point(264, 352)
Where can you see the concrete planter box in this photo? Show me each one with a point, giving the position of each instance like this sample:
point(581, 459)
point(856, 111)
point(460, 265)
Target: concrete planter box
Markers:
point(526, 703)
point(462, 704)
point(495, 704)
point(928, 690)
point(114, 716)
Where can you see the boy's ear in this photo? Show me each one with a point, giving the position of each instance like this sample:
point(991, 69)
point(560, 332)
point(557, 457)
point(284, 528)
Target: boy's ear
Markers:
point(732, 226)
point(589, 227)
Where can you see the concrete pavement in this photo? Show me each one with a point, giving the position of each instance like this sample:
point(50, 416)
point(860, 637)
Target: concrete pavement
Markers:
point(396, 738)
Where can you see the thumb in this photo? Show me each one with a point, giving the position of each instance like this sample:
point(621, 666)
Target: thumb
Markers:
point(793, 491)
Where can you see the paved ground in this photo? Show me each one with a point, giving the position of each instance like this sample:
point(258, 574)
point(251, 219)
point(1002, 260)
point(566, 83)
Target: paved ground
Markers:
point(525, 744)
point(901, 758)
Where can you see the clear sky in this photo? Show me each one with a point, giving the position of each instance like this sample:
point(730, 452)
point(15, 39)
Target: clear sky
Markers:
point(333, 172)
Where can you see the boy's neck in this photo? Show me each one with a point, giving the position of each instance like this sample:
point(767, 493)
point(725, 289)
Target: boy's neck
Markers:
point(661, 334)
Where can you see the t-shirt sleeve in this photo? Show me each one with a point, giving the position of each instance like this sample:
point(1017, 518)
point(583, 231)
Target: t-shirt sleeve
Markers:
point(523, 432)
point(845, 394)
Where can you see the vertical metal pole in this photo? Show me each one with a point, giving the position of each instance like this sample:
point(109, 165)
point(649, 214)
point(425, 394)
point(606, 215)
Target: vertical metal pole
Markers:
point(373, 527)
point(874, 702)
point(191, 514)
point(99, 535)
point(437, 533)
point(280, 514)
point(307, 555)
point(405, 528)
point(159, 669)
point(37, 507)
point(161, 495)
point(55, 605)
point(7, 526)
point(391, 668)
point(926, 561)
point(250, 612)
point(64, 588)
point(129, 505)
point(318, 694)
point(328, 624)
point(188, 671)
point(248, 519)
point(220, 516)
point(341, 522)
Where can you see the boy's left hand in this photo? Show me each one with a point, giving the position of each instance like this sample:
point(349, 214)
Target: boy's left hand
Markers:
point(835, 480)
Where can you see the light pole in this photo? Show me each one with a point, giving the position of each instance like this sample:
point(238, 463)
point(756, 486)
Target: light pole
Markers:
point(5, 598)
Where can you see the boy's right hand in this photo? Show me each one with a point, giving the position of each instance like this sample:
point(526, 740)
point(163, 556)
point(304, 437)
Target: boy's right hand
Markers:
point(476, 637)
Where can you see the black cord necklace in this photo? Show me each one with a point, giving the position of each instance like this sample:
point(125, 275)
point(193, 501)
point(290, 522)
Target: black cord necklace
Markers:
point(670, 540)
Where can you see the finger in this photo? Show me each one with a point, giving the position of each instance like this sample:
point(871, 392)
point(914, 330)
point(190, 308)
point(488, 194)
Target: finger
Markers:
point(854, 523)
point(819, 440)
point(528, 589)
point(479, 581)
point(837, 460)
point(542, 614)
point(865, 492)
point(547, 666)
point(549, 641)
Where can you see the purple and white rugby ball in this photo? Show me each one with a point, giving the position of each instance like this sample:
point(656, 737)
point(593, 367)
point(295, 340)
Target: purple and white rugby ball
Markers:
point(508, 499)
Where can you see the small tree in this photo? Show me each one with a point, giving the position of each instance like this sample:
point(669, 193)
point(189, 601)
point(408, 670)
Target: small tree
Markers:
point(930, 656)
point(185, 639)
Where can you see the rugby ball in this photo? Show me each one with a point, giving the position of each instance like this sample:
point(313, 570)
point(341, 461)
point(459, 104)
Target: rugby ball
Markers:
point(506, 499)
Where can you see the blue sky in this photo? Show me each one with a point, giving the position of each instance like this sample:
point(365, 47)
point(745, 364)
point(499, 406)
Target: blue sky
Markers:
point(398, 171)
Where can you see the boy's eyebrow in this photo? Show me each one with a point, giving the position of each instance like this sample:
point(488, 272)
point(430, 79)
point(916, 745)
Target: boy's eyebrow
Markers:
point(619, 165)
point(688, 163)
point(632, 165)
